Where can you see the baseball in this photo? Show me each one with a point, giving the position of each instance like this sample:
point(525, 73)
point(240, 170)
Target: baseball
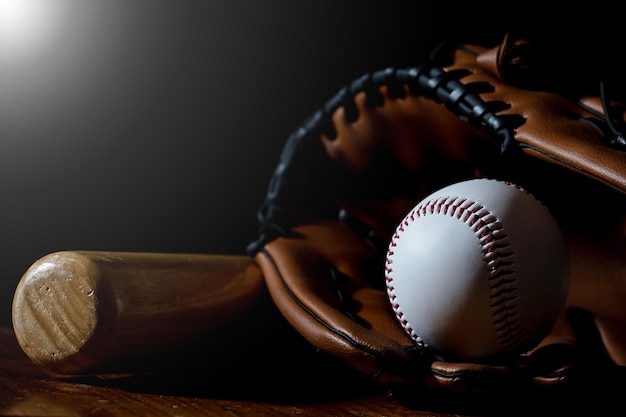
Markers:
point(478, 269)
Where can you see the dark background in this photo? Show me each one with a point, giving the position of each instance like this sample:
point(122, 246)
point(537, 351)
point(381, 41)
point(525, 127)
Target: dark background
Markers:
point(154, 125)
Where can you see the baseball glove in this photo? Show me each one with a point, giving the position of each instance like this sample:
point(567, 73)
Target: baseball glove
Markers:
point(350, 173)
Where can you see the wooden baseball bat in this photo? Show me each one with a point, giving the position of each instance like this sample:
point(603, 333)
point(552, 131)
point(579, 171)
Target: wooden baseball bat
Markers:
point(90, 312)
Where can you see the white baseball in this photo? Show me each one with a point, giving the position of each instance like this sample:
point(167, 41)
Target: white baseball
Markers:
point(477, 269)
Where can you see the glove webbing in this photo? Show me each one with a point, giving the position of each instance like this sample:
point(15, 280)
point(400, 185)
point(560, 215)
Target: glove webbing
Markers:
point(428, 80)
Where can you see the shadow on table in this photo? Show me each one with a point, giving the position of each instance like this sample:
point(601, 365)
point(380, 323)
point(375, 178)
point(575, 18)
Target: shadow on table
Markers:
point(257, 370)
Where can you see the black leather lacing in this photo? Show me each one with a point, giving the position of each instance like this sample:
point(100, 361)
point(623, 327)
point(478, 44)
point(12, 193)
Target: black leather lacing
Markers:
point(611, 124)
point(306, 178)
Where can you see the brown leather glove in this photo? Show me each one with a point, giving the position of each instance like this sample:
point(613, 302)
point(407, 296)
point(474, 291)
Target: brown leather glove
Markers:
point(354, 168)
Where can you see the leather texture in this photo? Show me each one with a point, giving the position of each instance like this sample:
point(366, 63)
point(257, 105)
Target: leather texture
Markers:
point(351, 172)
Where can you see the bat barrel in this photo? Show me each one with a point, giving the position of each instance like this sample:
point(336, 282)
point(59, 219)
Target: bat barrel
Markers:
point(78, 312)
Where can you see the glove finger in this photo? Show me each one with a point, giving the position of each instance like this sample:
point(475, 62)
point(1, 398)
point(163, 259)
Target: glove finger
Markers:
point(320, 280)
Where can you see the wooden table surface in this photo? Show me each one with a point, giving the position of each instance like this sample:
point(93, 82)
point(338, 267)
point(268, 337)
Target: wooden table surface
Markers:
point(279, 386)
point(251, 389)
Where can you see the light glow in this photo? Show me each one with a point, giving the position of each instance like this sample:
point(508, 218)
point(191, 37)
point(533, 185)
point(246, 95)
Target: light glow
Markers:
point(27, 27)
